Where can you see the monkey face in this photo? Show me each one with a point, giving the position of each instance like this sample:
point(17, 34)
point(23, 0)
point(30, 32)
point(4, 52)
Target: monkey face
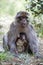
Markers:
point(23, 21)
point(22, 18)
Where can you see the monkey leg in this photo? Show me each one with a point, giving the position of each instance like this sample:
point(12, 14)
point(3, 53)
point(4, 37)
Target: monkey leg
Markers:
point(35, 50)
point(9, 46)
point(13, 48)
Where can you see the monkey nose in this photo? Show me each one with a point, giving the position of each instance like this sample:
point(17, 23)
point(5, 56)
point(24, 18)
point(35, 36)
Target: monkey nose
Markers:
point(24, 22)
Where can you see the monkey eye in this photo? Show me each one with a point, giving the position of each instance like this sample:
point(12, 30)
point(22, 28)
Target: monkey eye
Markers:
point(19, 18)
point(22, 17)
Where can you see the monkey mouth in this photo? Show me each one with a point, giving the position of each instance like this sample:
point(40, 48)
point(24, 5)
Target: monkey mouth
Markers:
point(23, 25)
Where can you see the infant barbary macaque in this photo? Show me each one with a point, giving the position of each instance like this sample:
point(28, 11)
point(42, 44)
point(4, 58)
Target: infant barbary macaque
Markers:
point(21, 43)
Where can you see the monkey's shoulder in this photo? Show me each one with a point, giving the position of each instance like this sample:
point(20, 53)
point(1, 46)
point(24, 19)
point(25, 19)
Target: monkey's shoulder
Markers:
point(13, 26)
point(30, 27)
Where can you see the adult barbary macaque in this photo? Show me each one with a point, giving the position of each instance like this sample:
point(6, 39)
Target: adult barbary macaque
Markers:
point(21, 25)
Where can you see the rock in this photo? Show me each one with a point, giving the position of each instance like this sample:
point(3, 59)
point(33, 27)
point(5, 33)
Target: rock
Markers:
point(1, 49)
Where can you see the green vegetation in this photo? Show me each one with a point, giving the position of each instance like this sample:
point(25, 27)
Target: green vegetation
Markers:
point(1, 33)
point(11, 7)
point(2, 56)
point(5, 56)
point(36, 8)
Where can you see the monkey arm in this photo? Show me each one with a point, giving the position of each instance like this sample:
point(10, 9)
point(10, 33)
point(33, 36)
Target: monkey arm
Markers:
point(33, 41)
point(12, 35)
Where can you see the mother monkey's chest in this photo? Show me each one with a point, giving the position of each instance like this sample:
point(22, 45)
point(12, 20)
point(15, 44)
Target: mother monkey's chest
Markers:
point(19, 30)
